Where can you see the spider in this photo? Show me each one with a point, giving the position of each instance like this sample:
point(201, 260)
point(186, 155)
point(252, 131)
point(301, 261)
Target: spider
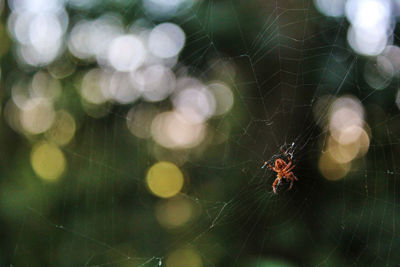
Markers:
point(283, 170)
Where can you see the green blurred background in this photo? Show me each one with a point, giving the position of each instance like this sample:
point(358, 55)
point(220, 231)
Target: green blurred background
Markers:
point(133, 133)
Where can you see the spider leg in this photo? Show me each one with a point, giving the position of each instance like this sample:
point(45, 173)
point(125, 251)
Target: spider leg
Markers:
point(277, 181)
point(289, 159)
point(269, 166)
point(265, 164)
point(289, 169)
point(291, 184)
point(293, 176)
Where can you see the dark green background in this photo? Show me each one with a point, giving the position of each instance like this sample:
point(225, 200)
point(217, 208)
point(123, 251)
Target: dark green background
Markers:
point(100, 212)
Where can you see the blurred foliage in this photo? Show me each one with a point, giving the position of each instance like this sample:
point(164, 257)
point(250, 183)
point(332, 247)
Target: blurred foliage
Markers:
point(277, 59)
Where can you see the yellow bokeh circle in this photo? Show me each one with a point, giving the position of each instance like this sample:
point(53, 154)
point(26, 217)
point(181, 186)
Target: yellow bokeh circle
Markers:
point(63, 129)
point(164, 179)
point(184, 258)
point(47, 161)
point(331, 169)
point(174, 212)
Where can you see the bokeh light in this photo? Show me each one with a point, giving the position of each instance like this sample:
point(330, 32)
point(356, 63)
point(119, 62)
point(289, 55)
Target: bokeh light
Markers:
point(184, 258)
point(166, 40)
point(391, 55)
point(347, 139)
point(92, 88)
point(118, 87)
point(62, 67)
point(195, 104)
point(378, 74)
point(173, 130)
point(187, 98)
point(43, 85)
point(223, 97)
point(126, 53)
point(345, 112)
point(37, 115)
point(342, 153)
point(174, 212)
point(155, 82)
point(164, 179)
point(139, 118)
point(48, 161)
point(12, 114)
point(370, 23)
point(39, 27)
point(333, 8)
point(63, 128)
point(166, 8)
point(331, 169)
point(90, 39)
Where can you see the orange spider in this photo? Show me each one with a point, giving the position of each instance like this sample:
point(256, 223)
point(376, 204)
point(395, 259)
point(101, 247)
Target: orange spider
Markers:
point(283, 170)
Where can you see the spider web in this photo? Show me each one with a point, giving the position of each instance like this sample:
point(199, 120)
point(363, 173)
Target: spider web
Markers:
point(287, 56)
